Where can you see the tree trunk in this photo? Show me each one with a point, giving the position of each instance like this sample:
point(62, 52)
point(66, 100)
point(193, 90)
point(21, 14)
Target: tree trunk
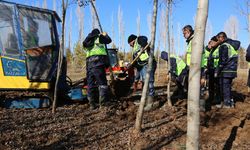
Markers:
point(61, 52)
point(139, 115)
point(169, 50)
point(193, 116)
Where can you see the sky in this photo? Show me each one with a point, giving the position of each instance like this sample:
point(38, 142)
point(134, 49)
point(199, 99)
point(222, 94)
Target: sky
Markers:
point(184, 12)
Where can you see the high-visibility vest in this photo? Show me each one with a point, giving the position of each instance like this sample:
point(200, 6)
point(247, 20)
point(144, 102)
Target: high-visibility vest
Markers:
point(231, 51)
point(204, 59)
point(189, 50)
point(180, 64)
point(144, 56)
point(96, 50)
point(215, 56)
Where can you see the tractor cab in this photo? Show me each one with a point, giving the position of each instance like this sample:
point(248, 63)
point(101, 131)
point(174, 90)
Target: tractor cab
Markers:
point(29, 50)
point(29, 44)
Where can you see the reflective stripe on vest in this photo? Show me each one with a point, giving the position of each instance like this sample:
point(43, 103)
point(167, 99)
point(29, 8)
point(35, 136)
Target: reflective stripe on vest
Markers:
point(180, 64)
point(216, 57)
point(97, 49)
point(144, 56)
point(188, 56)
point(231, 51)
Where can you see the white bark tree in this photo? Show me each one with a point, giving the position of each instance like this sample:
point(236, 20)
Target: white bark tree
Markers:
point(139, 115)
point(169, 5)
point(231, 27)
point(193, 112)
point(45, 4)
point(138, 22)
point(149, 22)
point(80, 21)
point(120, 24)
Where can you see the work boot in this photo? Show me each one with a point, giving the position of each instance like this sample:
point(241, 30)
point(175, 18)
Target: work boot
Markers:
point(135, 86)
point(92, 103)
point(150, 104)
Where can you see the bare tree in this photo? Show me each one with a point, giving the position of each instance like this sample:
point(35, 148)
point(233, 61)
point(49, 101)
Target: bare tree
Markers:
point(193, 112)
point(209, 31)
point(169, 5)
point(70, 29)
point(231, 27)
point(119, 18)
point(80, 19)
point(65, 4)
point(138, 22)
point(54, 5)
point(45, 4)
point(139, 115)
point(149, 22)
point(113, 30)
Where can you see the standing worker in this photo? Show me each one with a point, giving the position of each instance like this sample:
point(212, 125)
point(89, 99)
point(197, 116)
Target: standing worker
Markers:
point(227, 68)
point(188, 34)
point(212, 64)
point(96, 62)
point(138, 43)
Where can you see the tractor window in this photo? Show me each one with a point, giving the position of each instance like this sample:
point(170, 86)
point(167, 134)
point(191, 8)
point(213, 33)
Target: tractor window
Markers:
point(8, 38)
point(36, 28)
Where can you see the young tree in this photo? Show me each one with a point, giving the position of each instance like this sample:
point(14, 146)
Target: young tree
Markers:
point(231, 27)
point(80, 19)
point(65, 4)
point(138, 23)
point(45, 4)
point(139, 115)
point(193, 112)
point(169, 5)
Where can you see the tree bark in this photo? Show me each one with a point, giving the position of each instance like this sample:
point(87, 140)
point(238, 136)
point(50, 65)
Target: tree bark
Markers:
point(139, 115)
point(61, 52)
point(169, 50)
point(193, 117)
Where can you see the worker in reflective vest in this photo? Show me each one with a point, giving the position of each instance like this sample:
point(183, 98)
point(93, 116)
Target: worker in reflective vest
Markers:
point(141, 65)
point(179, 74)
point(227, 67)
point(96, 62)
point(212, 64)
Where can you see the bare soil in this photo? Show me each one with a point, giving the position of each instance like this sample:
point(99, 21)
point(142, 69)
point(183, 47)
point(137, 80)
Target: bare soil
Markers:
point(75, 126)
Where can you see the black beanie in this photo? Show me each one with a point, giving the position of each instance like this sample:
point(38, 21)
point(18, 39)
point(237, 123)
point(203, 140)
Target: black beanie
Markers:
point(95, 31)
point(214, 38)
point(131, 38)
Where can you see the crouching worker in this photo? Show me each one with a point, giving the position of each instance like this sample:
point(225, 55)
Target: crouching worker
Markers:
point(179, 74)
point(96, 62)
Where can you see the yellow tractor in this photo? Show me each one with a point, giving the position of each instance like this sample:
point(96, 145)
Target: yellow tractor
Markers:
point(29, 48)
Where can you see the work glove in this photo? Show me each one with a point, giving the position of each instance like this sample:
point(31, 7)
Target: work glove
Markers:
point(104, 33)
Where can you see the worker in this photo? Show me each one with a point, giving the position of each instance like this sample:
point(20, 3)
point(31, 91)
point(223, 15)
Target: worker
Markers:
point(227, 68)
point(179, 74)
point(96, 62)
point(212, 64)
point(188, 34)
point(141, 65)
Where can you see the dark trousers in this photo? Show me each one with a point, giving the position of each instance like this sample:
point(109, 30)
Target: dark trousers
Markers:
point(225, 88)
point(97, 81)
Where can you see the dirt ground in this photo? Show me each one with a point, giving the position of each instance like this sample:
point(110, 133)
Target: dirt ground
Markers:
point(75, 126)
